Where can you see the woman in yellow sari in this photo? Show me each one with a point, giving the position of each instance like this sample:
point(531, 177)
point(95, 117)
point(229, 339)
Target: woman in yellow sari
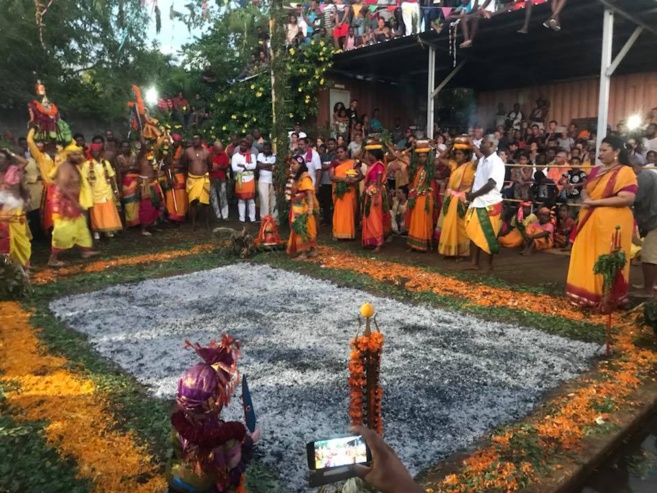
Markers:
point(303, 207)
point(376, 212)
point(421, 198)
point(608, 193)
point(345, 175)
point(454, 241)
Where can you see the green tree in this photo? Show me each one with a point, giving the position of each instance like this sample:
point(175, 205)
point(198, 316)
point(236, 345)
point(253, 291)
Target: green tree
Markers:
point(92, 52)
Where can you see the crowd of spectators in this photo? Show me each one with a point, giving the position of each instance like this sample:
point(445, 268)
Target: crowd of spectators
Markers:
point(351, 24)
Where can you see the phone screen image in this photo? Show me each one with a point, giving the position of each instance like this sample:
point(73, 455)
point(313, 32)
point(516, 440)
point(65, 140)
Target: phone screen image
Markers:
point(337, 452)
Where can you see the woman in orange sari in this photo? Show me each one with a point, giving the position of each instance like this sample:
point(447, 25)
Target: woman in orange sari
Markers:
point(345, 175)
point(303, 207)
point(608, 193)
point(454, 241)
point(421, 200)
point(376, 213)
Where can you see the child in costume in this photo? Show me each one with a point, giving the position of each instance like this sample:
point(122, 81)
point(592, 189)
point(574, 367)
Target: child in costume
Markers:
point(209, 455)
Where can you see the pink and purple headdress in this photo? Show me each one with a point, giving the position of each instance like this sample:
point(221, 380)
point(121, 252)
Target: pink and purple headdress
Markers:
point(207, 387)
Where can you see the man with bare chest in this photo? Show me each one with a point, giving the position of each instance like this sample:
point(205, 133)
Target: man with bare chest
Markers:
point(198, 161)
point(70, 225)
point(151, 196)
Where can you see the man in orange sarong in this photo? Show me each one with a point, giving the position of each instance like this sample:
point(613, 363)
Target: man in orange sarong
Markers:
point(345, 174)
point(607, 196)
point(483, 218)
point(47, 161)
point(104, 215)
point(453, 240)
point(127, 164)
point(421, 199)
point(376, 211)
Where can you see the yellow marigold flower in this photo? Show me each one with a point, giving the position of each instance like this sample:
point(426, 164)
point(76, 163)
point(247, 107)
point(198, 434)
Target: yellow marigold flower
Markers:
point(224, 127)
point(321, 43)
point(321, 81)
point(252, 86)
point(300, 89)
point(291, 115)
point(258, 94)
point(312, 43)
point(291, 51)
point(234, 117)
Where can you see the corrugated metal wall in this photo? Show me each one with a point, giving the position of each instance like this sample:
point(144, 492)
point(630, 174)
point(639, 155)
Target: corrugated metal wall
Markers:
point(630, 94)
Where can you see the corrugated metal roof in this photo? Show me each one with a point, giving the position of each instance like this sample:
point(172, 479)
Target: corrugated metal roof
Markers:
point(502, 58)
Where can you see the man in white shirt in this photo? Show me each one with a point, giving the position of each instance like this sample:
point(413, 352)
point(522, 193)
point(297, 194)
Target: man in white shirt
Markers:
point(243, 165)
point(313, 161)
point(650, 141)
point(483, 219)
point(266, 160)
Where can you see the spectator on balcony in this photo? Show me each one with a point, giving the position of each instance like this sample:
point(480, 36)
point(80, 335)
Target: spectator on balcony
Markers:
point(650, 140)
point(329, 17)
point(396, 26)
point(539, 114)
point(341, 16)
point(382, 32)
point(375, 124)
point(341, 123)
point(350, 41)
point(470, 13)
point(292, 30)
point(514, 118)
point(352, 112)
point(410, 11)
point(565, 141)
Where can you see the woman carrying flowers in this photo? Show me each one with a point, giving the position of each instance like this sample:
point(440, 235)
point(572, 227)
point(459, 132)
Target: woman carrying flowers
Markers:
point(454, 241)
point(421, 198)
point(345, 174)
point(303, 207)
point(376, 213)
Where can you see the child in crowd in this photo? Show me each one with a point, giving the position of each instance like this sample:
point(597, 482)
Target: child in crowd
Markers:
point(512, 231)
point(574, 179)
point(544, 191)
point(398, 213)
point(539, 235)
point(565, 225)
point(522, 178)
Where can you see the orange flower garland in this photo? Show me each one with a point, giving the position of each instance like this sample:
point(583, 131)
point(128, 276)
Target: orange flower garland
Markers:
point(365, 392)
point(50, 275)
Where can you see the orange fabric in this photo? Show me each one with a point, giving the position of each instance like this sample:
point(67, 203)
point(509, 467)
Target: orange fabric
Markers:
point(595, 228)
point(374, 221)
point(420, 229)
point(245, 190)
point(105, 218)
point(454, 241)
point(541, 243)
point(555, 173)
point(177, 209)
point(344, 208)
point(303, 193)
point(513, 239)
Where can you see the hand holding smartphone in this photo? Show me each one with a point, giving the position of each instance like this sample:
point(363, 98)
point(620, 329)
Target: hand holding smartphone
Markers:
point(337, 452)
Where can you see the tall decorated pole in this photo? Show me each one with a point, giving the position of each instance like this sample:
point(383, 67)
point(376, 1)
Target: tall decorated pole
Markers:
point(279, 92)
point(365, 392)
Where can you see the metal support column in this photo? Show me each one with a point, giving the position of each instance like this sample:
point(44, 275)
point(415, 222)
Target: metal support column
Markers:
point(431, 82)
point(605, 77)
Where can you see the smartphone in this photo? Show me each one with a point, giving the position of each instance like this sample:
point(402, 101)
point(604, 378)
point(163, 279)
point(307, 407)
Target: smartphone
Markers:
point(336, 452)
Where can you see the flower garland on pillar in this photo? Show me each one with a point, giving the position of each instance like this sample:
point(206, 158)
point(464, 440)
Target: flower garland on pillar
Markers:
point(365, 392)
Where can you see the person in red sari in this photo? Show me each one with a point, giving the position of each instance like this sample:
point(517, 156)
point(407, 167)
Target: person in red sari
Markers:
point(376, 212)
point(607, 197)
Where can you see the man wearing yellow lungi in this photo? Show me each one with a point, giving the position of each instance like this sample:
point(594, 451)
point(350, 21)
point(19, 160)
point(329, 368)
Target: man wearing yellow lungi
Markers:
point(14, 231)
point(70, 225)
point(198, 161)
point(176, 198)
point(244, 164)
point(104, 215)
point(483, 218)
point(47, 161)
point(127, 164)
